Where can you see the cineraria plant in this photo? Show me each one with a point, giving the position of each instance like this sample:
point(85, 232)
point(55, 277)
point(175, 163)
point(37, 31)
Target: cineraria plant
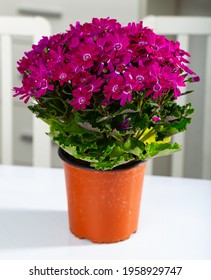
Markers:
point(108, 92)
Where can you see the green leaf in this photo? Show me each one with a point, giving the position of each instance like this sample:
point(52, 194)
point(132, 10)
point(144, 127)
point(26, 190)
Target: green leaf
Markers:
point(127, 109)
point(134, 146)
point(159, 149)
point(108, 164)
point(88, 126)
point(139, 122)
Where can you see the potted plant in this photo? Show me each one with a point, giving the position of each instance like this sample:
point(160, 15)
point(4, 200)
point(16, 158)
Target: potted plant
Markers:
point(109, 95)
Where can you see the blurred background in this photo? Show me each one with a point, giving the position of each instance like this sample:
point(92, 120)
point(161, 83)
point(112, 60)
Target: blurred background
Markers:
point(60, 14)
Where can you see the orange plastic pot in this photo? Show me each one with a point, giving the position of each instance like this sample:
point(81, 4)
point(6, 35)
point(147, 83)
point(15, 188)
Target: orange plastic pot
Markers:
point(103, 206)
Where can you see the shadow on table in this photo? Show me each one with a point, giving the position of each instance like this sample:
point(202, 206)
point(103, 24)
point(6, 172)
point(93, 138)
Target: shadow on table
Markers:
point(28, 228)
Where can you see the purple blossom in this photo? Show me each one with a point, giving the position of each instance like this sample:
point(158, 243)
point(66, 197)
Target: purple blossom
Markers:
point(124, 125)
point(23, 92)
point(81, 99)
point(156, 119)
point(94, 84)
point(86, 55)
point(114, 87)
point(194, 79)
point(39, 79)
point(56, 57)
point(81, 78)
point(62, 74)
point(117, 43)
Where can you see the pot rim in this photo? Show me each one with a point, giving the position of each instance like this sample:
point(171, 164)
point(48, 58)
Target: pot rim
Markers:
point(67, 158)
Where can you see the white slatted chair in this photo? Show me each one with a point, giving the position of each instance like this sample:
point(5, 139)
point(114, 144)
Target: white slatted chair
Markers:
point(183, 27)
point(35, 27)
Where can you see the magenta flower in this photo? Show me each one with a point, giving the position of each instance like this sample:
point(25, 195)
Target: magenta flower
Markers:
point(56, 57)
point(94, 84)
point(42, 46)
point(105, 24)
point(81, 99)
point(62, 74)
point(140, 76)
point(81, 78)
point(194, 79)
point(86, 55)
point(161, 79)
point(157, 45)
point(156, 119)
point(114, 87)
point(23, 92)
point(105, 63)
point(117, 43)
point(125, 95)
point(39, 79)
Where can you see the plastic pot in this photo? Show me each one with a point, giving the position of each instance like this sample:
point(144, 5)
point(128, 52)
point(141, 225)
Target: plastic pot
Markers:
point(103, 206)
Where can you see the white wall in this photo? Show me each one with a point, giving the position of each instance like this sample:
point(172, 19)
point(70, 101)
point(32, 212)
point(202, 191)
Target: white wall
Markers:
point(63, 12)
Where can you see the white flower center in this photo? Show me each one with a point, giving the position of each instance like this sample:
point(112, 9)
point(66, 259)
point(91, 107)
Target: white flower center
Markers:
point(62, 76)
point(90, 87)
point(81, 100)
point(156, 87)
point(115, 88)
point(117, 46)
point(86, 56)
point(139, 78)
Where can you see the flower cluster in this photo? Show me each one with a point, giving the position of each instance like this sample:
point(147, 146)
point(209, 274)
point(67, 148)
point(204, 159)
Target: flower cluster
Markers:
point(116, 82)
point(104, 58)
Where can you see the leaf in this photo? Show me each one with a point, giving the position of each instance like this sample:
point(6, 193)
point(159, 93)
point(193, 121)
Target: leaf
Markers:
point(127, 109)
point(139, 122)
point(172, 128)
point(161, 149)
point(110, 164)
point(106, 118)
point(134, 146)
point(88, 126)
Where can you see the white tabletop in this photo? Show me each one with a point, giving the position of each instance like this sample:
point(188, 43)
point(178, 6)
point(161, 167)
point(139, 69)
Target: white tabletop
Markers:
point(174, 223)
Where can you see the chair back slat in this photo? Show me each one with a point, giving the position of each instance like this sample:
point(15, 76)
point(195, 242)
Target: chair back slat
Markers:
point(35, 28)
point(206, 170)
point(6, 100)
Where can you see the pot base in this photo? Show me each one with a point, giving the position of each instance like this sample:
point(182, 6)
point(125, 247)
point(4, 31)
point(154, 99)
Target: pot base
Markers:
point(100, 241)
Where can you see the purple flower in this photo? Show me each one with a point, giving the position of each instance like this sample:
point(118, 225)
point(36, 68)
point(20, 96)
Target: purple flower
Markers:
point(117, 43)
point(23, 92)
point(81, 99)
point(124, 125)
point(156, 119)
point(105, 63)
point(139, 75)
point(114, 87)
point(62, 74)
point(56, 57)
point(94, 84)
point(39, 79)
point(86, 55)
point(194, 79)
point(81, 78)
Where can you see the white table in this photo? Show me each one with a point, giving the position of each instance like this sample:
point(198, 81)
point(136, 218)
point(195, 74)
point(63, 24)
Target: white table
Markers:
point(174, 223)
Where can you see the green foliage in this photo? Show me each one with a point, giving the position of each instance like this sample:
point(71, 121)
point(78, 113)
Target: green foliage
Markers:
point(99, 136)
